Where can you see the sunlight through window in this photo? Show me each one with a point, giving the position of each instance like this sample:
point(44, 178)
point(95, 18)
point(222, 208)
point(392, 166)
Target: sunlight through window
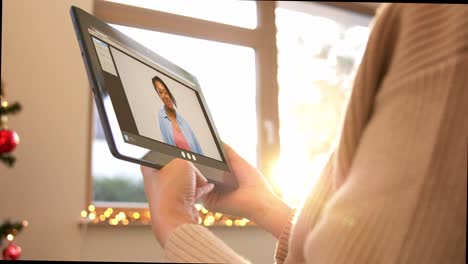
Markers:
point(317, 59)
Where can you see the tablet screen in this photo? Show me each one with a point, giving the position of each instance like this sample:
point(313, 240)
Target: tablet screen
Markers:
point(151, 104)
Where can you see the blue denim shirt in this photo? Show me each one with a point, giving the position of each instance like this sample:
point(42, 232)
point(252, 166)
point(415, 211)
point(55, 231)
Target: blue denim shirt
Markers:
point(165, 126)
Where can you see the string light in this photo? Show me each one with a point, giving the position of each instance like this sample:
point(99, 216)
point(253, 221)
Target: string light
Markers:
point(122, 215)
point(136, 215)
point(84, 213)
point(209, 220)
point(108, 216)
point(10, 237)
point(218, 215)
point(4, 103)
point(242, 222)
point(92, 216)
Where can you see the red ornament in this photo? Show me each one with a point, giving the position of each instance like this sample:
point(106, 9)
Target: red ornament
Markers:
point(8, 140)
point(12, 252)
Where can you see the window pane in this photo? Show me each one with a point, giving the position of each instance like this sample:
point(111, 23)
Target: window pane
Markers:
point(226, 74)
point(318, 54)
point(114, 180)
point(236, 13)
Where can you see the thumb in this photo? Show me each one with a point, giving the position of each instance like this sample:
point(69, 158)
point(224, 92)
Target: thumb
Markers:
point(201, 191)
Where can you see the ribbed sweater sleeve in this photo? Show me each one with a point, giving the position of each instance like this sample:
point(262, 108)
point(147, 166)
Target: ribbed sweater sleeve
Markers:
point(406, 205)
point(402, 199)
point(196, 244)
point(281, 250)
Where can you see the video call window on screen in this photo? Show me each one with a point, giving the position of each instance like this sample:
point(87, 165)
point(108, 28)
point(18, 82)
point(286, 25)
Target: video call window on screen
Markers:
point(163, 108)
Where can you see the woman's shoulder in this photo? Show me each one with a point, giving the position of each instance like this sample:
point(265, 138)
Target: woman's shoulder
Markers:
point(180, 118)
point(162, 112)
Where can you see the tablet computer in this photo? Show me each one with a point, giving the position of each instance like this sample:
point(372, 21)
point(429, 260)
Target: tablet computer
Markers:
point(151, 110)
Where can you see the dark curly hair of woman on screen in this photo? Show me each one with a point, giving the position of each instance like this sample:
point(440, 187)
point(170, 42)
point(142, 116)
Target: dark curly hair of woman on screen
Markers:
point(174, 129)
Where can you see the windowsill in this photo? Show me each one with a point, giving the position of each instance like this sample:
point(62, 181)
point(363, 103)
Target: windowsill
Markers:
point(137, 214)
point(88, 223)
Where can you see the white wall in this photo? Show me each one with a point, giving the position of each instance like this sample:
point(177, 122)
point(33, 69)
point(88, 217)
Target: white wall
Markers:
point(43, 70)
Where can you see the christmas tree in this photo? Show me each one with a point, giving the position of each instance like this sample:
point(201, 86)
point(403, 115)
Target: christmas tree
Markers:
point(9, 139)
point(8, 231)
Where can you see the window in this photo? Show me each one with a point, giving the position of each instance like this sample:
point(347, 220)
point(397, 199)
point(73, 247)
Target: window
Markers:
point(319, 49)
point(214, 64)
point(293, 86)
point(235, 13)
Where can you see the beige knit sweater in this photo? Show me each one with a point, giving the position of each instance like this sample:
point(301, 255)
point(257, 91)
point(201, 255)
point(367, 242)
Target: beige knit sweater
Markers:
point(395, 189)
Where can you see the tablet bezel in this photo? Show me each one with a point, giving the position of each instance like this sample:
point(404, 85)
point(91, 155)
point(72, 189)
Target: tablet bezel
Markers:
point(217, 172)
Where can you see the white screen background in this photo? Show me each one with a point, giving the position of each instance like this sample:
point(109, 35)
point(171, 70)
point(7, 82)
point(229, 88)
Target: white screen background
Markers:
point(145, 102)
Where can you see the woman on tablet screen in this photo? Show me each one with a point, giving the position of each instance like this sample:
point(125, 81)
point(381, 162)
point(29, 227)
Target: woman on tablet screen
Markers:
point(174, 129)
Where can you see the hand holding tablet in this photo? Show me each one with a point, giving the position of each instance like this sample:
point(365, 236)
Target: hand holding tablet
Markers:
point(173, 190)
point(171, 193)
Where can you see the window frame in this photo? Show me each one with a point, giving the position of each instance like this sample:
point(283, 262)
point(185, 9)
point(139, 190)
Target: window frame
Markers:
point(262, 39)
